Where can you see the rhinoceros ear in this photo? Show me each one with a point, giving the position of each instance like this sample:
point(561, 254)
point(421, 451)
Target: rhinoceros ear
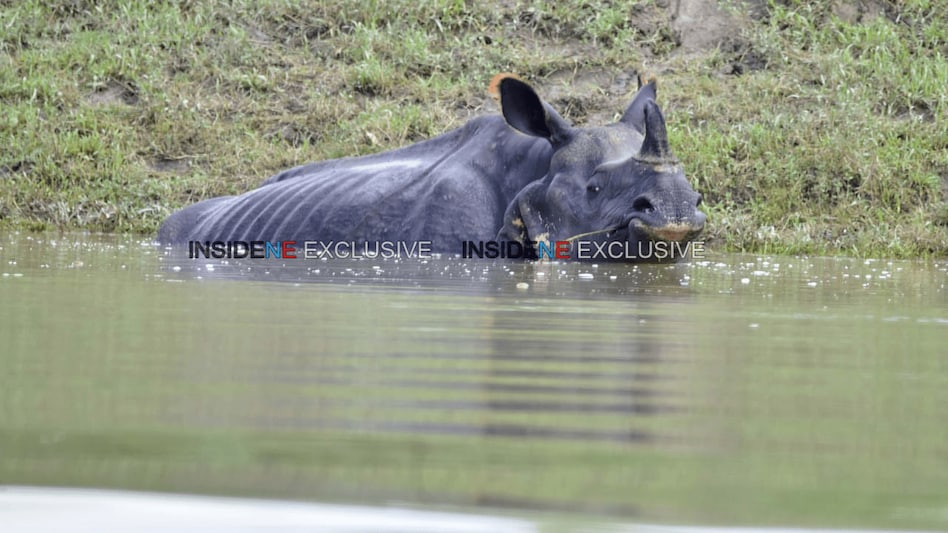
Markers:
point(655, 147)
point(635, 114)
point(526, 112)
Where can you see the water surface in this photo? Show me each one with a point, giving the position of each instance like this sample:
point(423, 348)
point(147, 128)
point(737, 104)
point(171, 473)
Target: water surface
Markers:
point(738, 390)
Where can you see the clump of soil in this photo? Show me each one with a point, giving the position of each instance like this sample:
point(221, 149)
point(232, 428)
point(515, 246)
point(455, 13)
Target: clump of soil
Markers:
point(114, 92)
point(175, 165)
point(703, 24)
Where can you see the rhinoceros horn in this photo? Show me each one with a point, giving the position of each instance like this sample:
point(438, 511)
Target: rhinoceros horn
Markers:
point(655, 147)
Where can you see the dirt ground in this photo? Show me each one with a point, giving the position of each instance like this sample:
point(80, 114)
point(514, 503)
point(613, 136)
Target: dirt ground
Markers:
point(588, 95)
point(704, 24)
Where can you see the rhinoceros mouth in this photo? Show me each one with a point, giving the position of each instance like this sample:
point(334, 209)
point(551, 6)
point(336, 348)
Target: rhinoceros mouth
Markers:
point(673, 232)
point(669, 232)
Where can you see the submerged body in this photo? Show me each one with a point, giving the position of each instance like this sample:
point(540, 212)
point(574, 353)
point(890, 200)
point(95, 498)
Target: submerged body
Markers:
point(527, 178)
point(443, 190)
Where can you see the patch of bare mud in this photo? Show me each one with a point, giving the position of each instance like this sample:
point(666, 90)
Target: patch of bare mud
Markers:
point(113, 92)
point(858, 11)
point(175, 165)
point(703, 25)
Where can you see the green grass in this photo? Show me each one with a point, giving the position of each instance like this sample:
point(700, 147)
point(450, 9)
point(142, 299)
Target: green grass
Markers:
point(805, 132)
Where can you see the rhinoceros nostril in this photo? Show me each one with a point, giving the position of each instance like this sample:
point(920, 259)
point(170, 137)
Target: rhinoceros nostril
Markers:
point(643, 204)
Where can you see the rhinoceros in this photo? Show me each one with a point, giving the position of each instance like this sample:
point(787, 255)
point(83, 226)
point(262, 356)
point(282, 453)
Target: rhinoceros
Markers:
point(527, 178)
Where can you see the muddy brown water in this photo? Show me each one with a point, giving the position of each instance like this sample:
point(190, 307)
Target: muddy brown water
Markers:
point(734, 390)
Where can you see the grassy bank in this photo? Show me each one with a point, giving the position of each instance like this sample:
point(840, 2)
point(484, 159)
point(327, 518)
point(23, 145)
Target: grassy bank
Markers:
point(808, 126)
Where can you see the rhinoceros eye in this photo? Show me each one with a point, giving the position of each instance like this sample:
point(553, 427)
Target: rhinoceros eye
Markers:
point(593, 188)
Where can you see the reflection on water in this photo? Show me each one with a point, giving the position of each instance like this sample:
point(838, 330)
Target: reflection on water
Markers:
point(739, 390)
